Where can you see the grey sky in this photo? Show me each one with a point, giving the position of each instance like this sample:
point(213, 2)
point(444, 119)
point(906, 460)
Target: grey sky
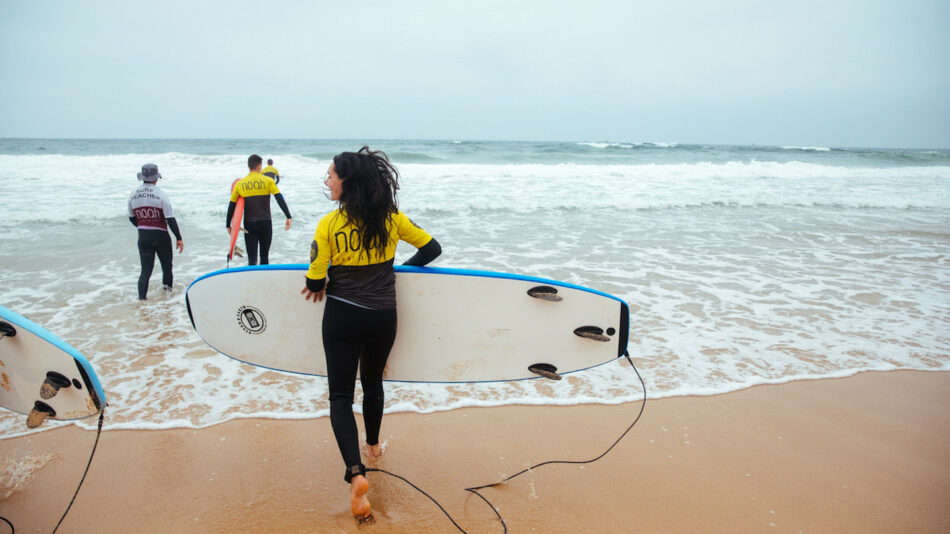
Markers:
point(847, 73)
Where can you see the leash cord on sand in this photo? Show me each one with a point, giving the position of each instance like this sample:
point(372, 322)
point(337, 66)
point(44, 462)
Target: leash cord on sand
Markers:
point(490, 505)
point(102, 414)
point(98, 432)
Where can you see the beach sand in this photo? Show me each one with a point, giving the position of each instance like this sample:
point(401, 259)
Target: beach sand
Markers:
point(869, 453)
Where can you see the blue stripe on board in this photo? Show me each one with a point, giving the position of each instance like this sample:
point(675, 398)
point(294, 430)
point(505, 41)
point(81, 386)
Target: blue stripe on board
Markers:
point(427, 270)
point(508, 276)
point(47, 336)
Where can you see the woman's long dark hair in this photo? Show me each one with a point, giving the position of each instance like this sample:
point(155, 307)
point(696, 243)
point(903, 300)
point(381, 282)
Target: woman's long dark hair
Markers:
point(370, 183)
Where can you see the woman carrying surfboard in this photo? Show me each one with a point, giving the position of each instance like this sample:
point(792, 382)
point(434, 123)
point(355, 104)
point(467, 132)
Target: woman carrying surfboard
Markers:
point(355, 247)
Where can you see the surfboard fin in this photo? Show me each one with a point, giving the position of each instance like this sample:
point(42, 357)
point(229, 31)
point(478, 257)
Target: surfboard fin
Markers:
point(591, 332)
point(40, 413)
point(6, 330)
point(547, 293)
point(53, 383)
point(545, 370)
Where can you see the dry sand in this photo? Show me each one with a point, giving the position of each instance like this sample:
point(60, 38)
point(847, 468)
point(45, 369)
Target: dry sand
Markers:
point(870, 453)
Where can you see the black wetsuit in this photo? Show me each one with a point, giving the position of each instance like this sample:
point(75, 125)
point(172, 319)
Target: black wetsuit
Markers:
point(151, 213)
point(258, 237)
point(256, 190)
point(355, 336)
point(359, 321)
point(152, 243)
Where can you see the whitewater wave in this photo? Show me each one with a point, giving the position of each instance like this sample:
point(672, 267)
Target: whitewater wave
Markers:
point(201, 184)
point(811, 148)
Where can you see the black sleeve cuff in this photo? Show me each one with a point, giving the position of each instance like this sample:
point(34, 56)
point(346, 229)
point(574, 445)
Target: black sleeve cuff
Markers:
point(173, 225)
point(316, 285)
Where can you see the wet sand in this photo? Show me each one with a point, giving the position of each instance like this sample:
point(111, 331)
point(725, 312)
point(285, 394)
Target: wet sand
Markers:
point(869, 453)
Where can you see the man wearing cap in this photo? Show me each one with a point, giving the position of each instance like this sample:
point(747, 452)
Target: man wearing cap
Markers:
point(256, 189)
point(151, 212)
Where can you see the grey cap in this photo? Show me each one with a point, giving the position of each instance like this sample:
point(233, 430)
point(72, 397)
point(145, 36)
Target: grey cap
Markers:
point(149, 173)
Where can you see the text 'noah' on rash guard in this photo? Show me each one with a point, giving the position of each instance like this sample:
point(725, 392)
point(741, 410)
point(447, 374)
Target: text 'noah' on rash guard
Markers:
point(150, 209)
point(256, 190)
point(364, 279)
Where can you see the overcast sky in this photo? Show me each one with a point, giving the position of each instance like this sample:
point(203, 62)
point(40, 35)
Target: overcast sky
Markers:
point(829, 73)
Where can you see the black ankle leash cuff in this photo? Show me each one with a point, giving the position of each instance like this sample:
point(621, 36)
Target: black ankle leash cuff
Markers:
point(353, 470)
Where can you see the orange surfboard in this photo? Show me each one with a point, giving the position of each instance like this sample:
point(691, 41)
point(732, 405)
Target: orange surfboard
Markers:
point(236, 221)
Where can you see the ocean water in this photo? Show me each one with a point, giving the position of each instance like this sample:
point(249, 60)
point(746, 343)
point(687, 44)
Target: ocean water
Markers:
point(742, 265)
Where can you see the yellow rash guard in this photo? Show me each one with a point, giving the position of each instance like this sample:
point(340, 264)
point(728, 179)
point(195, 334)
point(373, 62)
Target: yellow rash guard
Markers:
point(256, 190)
point(271, 172)
point(364, 279)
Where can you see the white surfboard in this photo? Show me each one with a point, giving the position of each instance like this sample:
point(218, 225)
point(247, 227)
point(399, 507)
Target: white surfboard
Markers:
point(453, 325)
point(41, 374)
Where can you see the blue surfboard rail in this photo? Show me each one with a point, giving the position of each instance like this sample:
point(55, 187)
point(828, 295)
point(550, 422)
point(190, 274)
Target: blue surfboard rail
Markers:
point(411, 269)
point(85, 368)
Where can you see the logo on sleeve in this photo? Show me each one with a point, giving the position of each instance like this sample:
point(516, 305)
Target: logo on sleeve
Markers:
point(251, 320)
point(313, 250)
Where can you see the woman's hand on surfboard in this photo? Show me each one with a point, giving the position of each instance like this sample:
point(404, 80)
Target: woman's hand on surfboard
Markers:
point(317, 297)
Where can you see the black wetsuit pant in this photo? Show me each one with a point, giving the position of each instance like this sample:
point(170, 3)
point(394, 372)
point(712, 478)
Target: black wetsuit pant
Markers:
point(259, 233)
point(152, 242)
point(356, 336)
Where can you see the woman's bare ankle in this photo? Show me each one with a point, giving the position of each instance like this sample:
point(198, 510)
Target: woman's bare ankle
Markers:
point(374, 450)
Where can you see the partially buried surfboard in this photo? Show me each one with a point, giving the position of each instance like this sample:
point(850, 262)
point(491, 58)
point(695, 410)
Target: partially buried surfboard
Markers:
point(42, 376)
point(453, 325)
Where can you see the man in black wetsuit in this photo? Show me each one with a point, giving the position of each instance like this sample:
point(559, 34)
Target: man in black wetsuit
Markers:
point(151, 212)
point(256, 189)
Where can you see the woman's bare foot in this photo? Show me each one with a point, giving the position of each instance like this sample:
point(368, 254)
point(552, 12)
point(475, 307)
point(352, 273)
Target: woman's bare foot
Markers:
point(359, 502)
point(374, 450)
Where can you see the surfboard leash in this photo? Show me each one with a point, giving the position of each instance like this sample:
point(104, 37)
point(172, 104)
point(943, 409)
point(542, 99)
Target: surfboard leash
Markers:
point(430, 497)
point(102, 415)
point(475, 489)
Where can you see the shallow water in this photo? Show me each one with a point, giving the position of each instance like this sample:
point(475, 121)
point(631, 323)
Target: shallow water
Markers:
point(741, 265)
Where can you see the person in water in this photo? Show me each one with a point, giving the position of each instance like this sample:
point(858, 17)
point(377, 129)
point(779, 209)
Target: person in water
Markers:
point(271, 172)
point(256, 190)
point(150, 212)
point(355, 246)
